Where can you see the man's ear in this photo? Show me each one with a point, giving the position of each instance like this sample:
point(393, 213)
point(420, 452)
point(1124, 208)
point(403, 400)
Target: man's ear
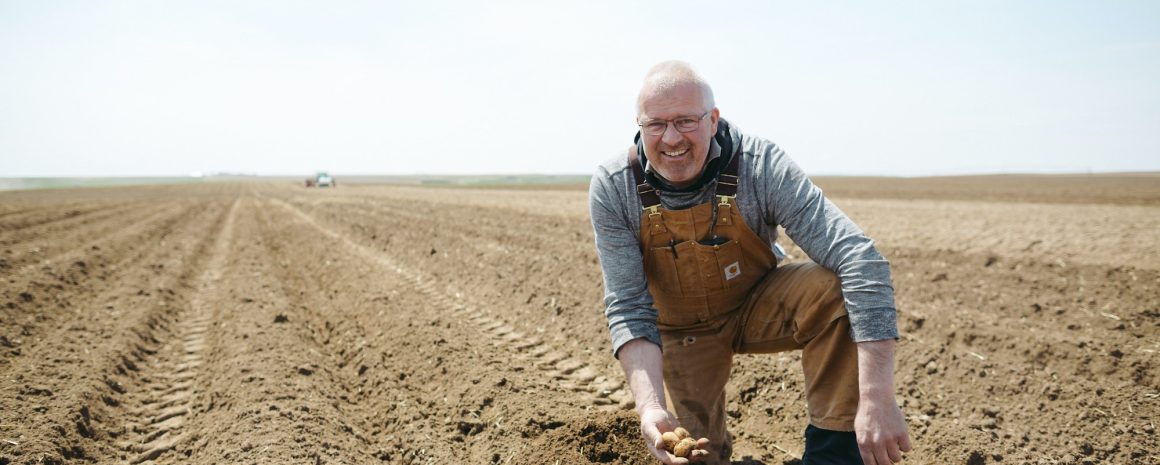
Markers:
point(714, 116)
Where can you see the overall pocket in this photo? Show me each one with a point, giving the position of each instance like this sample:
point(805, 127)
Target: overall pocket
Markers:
point(661, 272)
point(721, 266)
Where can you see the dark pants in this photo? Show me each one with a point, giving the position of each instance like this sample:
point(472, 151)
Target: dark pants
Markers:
point(825, 447)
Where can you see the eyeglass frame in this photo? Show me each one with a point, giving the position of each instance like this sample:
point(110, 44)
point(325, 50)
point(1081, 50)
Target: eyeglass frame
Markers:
point(672, 122)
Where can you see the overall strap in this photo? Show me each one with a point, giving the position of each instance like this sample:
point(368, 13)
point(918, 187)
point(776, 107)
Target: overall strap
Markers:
point(726, 192)
point(648, 196)
point(727, 180)
point(649, 200)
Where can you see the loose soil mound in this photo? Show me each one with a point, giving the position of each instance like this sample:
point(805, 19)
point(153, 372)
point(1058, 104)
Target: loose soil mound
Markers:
point(268, 323)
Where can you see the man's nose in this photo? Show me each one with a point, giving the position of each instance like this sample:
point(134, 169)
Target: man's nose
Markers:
point(671, 136)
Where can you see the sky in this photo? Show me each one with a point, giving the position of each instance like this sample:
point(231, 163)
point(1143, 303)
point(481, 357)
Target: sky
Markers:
point(915, 88)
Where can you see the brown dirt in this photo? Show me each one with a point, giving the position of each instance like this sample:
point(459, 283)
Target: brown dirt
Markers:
point(268, 323)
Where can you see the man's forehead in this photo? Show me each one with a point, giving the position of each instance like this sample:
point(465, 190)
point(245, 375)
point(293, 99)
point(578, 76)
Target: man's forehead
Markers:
point(666, 103)
point(663, 91)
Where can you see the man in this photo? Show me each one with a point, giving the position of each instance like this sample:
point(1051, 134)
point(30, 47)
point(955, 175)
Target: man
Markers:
point(685, 225)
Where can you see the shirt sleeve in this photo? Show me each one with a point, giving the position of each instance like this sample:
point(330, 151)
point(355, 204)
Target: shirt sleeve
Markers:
point(832, 240)
point(627, 303)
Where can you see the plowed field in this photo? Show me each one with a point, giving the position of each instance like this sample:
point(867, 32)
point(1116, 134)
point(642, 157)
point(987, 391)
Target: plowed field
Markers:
point(269, 323)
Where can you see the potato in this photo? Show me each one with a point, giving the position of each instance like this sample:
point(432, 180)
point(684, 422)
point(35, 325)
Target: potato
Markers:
point(682, 444)
point(686, 446)
point(670, 439)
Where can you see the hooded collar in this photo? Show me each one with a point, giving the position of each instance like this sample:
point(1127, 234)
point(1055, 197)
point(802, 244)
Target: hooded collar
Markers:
point(722, 144)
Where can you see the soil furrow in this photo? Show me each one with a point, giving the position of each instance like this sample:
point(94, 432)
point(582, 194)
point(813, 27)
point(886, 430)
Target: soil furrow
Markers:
point(34, 216)
point(18, 235)
point(100, 345)
point(564, 369)
point(261, 394)
point(508, 231)
point(160, 418)
point(544, 368)
point(474, 261)
point(407, 324)
point(77, 242)
point(38, 297)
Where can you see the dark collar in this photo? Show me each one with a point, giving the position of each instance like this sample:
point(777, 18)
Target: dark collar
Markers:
point(713, 167)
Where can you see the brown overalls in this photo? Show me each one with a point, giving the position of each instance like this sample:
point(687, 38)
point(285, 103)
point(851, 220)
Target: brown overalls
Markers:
point(719, 292)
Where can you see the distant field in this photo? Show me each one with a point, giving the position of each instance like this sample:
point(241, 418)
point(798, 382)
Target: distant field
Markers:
point(486, 180)
point(64, 183)
point(1120, 188)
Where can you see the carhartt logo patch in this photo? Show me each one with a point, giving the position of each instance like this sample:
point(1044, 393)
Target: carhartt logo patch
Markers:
point(732, 271)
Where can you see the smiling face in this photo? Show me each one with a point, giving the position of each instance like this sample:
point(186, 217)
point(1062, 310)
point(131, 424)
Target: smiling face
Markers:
point(678, 157)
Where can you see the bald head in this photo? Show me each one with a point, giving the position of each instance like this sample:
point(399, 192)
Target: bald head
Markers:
point(669, 76)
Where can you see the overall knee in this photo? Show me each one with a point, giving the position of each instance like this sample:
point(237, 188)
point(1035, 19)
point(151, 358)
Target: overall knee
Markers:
point(825, 286)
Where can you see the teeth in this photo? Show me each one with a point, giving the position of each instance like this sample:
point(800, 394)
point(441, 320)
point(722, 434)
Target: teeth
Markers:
point(674, 154)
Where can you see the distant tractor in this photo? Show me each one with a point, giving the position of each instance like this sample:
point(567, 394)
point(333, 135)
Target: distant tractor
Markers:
point(322, 179)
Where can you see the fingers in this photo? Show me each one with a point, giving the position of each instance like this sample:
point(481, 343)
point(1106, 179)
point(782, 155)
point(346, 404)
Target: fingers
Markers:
point(872, 455)
point(665, 456)
point(887, 453)
point(881, 458)
point(904, 444)
point(882, 435)
point(883, 451)
point(892, 452)
point(656, 422)
point(698, 455)
point(655, 439)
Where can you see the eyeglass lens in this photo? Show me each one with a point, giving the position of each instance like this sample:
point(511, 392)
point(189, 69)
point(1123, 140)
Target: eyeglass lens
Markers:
point(656, 128)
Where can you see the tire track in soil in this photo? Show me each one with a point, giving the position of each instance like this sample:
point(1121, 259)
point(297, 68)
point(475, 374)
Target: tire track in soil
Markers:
point(557, 242)
point(65, 385)
point(266, 391)
point(1004, 324)
point(335, 329)
point(603, 391)
point(75, 279)
point(485, 248)
point(1078, 386)
point(423, 385)
point(164, 405)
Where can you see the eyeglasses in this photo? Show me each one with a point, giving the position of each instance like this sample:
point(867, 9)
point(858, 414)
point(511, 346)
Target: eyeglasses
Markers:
point(657, 127)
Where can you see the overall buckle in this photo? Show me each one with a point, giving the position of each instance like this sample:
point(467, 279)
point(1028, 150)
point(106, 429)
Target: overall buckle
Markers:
point(655, 219)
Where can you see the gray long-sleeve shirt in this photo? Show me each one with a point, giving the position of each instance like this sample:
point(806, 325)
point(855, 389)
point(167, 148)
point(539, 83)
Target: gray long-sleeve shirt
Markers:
point(773, 191)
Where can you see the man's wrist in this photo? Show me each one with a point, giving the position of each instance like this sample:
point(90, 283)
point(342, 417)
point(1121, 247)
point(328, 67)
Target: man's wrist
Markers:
point(649, 405)
point(875, 393)
point(876, 370)
point(641, 360)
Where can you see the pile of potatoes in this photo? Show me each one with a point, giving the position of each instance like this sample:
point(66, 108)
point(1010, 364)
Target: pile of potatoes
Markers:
point(681, 444)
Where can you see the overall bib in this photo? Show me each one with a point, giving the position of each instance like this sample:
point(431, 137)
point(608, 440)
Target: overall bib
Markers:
point(719, 292)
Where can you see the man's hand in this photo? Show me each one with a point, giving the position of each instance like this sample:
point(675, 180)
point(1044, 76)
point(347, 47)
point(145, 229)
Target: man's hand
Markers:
point(879, 425)
point(881, 431)
point(641, 361)
point(653, 422)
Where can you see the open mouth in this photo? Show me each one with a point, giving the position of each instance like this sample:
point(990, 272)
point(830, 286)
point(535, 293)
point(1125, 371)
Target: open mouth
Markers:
point(675, 153)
